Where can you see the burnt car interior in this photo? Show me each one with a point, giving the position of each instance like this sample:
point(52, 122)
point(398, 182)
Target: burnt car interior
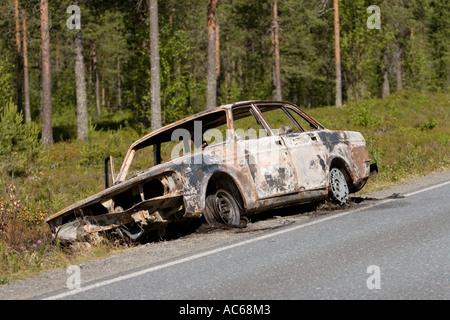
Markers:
point(247, 124)
point(166, 146)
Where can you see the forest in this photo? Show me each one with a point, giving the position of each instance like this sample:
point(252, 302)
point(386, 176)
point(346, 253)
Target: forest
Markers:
point(263, 50)
point(82, 79)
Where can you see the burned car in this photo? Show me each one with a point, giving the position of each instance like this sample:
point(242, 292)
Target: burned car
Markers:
point(223, 165)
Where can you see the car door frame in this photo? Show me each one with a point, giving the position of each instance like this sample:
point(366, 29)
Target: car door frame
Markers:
point(273, 172)
point(309, 151)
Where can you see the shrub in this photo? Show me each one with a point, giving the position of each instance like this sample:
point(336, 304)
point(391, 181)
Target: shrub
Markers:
point(430, 124)
point(364, 115)
point(19, 142)
point(6, 82)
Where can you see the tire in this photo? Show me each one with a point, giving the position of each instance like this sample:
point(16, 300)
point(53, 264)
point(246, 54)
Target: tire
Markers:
point(338, 190)
point(222, 209)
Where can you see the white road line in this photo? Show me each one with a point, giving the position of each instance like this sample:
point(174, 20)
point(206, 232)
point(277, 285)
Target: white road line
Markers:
point(427, 189)
point(238, 244)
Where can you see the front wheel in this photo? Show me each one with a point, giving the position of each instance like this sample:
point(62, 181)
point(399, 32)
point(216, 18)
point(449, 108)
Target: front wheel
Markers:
point(338, 186)
point(222, 209)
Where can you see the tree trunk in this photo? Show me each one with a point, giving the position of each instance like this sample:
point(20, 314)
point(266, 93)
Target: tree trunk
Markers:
point(26, 83)
point(46, 89)
point(97, 80)
point(398, 67)
point(386, 90)
point(211, 89)
point(119, 75)
point(276, 52)
point(80, 86)
point(337, 50)
point(57, 65)
point(155, 90)
point(217, 63)
point(119, 84)
point(103, 88)
point(19, 57)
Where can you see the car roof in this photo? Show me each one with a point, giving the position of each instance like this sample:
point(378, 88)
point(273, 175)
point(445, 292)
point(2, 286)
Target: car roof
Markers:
point(203, 113)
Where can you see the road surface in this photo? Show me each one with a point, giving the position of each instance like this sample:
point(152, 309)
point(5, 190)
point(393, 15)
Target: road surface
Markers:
point(395, 248)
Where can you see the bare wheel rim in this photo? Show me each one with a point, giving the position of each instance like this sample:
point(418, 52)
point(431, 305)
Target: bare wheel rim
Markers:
point(338, 186)
point(227, 208)
point(222, 209)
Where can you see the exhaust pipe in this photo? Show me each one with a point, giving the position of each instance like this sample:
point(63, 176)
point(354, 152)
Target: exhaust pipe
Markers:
point(373, 170)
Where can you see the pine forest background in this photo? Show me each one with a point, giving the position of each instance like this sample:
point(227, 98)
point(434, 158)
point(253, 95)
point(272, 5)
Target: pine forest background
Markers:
point(411, 50)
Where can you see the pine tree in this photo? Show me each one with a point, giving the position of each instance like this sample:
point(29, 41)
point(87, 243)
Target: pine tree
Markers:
point(80, 85)
point(19, 56)
point(211, 91)
point(337, 49)
point(276, 52)
point(46, 90)
point(26, 81)
point(155, 66)
point(18, 141)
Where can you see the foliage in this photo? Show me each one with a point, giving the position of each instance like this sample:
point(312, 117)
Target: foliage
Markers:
point(118, 33)
point(6, 86)
point(13, 259)
point(19, 142)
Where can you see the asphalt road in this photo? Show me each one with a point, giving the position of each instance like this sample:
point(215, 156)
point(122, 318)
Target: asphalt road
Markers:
point(391, 249)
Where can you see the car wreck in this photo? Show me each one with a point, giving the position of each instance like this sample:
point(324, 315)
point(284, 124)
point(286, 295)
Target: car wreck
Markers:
point(224, 165)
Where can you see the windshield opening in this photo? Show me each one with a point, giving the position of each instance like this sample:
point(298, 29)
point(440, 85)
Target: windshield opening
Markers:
point(177, 141)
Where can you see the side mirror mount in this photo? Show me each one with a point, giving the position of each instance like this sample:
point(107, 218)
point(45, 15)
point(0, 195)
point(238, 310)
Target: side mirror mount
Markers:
point(109, 171)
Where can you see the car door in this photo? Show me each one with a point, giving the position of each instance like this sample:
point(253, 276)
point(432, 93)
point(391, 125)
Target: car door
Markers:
point(302, 142)
point(265, 154)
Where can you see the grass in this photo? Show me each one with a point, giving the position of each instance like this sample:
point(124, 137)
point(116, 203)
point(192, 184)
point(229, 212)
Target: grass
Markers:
point(62, 174)
point(407, 134)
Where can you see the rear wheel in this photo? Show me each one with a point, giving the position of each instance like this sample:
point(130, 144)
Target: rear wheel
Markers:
point(338, 186)
point(222, 209)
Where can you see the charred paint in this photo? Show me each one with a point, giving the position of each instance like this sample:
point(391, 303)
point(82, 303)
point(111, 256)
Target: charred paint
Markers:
point(322, 163)
point(284, 170)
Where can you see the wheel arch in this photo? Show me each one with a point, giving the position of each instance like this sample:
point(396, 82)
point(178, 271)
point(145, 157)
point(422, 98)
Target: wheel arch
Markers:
point(223, 180)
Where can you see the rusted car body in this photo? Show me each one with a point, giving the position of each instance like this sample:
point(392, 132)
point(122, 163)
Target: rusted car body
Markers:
point(223, 164)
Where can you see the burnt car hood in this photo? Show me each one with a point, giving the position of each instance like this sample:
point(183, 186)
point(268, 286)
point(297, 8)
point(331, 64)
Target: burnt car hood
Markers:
point(112, 191)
